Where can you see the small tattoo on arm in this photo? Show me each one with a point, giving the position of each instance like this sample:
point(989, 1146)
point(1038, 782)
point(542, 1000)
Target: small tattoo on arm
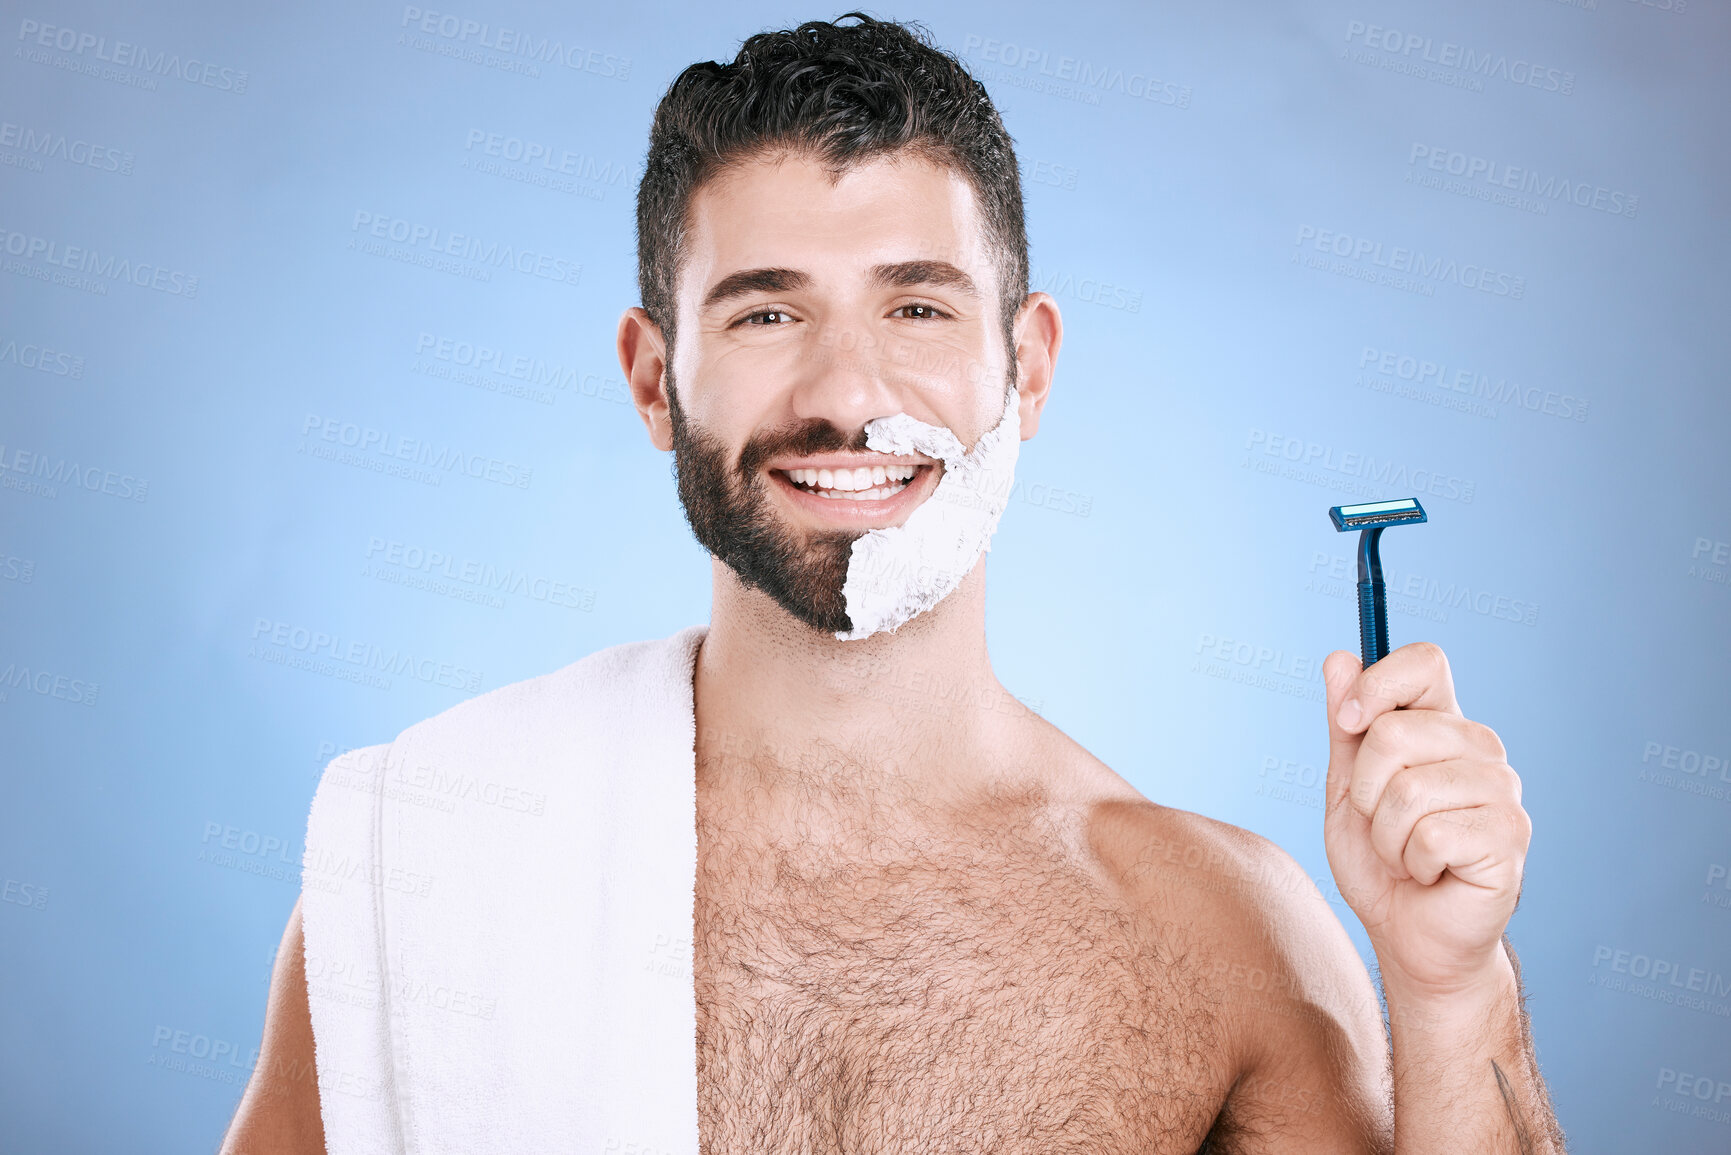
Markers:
point(1508, 1093)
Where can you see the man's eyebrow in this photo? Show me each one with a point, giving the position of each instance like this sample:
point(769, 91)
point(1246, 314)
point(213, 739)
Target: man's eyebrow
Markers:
point(903, 274)
point(748, 281)
point(908, 274)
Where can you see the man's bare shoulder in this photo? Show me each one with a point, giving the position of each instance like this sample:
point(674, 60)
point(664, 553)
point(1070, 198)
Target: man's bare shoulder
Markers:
point(1192, 864)
point(1180, 866)
point(1236, 889)
point(1260, 945)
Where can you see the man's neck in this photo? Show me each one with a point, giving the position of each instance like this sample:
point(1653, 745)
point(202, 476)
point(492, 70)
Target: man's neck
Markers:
point(921, 704)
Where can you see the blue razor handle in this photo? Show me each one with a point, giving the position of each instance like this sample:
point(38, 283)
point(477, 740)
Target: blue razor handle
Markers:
point(1372, 599)
point(1370, 520)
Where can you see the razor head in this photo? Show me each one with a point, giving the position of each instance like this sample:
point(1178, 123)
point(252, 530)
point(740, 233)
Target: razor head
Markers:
point(1405, 511)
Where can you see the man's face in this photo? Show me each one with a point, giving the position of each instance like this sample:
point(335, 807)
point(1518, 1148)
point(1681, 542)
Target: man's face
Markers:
point(806, 309)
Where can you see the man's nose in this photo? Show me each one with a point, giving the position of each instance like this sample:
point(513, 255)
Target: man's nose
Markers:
point(846, 377)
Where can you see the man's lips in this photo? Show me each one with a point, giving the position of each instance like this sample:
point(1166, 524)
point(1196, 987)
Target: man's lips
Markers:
point(855, 490)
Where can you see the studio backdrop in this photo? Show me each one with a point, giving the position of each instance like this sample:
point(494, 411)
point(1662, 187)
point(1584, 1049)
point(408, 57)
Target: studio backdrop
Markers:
point(311, 427)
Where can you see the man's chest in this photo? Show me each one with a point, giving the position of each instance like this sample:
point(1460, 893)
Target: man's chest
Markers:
point(993, 1003)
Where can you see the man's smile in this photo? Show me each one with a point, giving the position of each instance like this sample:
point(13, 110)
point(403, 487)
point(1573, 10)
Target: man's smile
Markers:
point(864, 491)
point(861, 483)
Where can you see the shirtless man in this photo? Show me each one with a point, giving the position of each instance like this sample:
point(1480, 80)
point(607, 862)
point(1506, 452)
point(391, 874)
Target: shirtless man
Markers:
point(925, 919)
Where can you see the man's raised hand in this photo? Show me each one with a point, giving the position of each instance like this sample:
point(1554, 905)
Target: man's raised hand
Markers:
point(1424, 827)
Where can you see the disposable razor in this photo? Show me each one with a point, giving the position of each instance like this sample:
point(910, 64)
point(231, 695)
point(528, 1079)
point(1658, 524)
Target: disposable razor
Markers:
point(1370, 520)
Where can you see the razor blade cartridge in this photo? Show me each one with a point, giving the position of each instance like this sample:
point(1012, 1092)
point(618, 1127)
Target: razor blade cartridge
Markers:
point(1405, 511)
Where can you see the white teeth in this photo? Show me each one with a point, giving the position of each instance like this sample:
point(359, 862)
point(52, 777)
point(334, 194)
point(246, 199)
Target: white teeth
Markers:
point(860, 494)
point(863, 483)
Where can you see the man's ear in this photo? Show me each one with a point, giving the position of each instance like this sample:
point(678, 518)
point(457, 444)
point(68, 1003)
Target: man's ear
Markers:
point(1039, 331)
point(643, 357)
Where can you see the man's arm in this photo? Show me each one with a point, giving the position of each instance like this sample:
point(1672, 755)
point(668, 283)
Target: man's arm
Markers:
point(279, 1113)
point(1464, 1071)
point(1305, 1037)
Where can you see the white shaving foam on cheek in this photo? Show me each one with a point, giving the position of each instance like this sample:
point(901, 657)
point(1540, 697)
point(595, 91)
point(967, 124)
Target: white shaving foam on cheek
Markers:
point(894, 574)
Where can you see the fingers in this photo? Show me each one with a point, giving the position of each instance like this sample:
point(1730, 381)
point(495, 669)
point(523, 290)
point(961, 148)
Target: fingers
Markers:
point(1339, 673)
point(1409, 738)
point(1416, 675)
point(1456, 815)
point(1483, 846)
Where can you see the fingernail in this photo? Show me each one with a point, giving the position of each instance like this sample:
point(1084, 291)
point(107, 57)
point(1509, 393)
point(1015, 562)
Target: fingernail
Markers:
point(1350, 713)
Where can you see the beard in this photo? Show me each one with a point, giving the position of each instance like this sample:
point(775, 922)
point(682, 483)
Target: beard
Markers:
point(729, 511)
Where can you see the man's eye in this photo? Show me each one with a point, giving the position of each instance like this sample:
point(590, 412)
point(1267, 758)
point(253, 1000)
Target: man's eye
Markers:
point(920, 312)
point(777, 314)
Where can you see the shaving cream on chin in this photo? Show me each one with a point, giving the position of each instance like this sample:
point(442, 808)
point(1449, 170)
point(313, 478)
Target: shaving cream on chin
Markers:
point(896, 573)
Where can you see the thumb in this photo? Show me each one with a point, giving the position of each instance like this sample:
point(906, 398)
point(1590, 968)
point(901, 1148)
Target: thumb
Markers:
point(1340, 672)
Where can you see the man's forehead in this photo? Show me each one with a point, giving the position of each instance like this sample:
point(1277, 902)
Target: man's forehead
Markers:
point(788, 211)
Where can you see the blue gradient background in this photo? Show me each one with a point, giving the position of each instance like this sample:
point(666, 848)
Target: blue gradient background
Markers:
point(1151, 586)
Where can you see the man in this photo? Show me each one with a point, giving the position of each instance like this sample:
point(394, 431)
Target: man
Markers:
point(921, 918)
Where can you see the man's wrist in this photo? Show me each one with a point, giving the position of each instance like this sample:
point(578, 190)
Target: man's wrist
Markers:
point(1468, 1002)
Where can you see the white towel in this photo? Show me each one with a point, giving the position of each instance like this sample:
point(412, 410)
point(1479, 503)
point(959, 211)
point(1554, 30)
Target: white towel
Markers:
point(498, 918)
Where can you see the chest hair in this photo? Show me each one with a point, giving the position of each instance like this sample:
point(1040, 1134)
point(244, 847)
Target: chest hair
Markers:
point(974, 993)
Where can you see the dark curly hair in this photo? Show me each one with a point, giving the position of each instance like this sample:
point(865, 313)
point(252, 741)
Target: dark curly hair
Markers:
point(843, 93)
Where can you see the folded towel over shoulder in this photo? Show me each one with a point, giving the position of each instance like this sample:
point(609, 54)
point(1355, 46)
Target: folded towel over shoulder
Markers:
point(497, 909)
